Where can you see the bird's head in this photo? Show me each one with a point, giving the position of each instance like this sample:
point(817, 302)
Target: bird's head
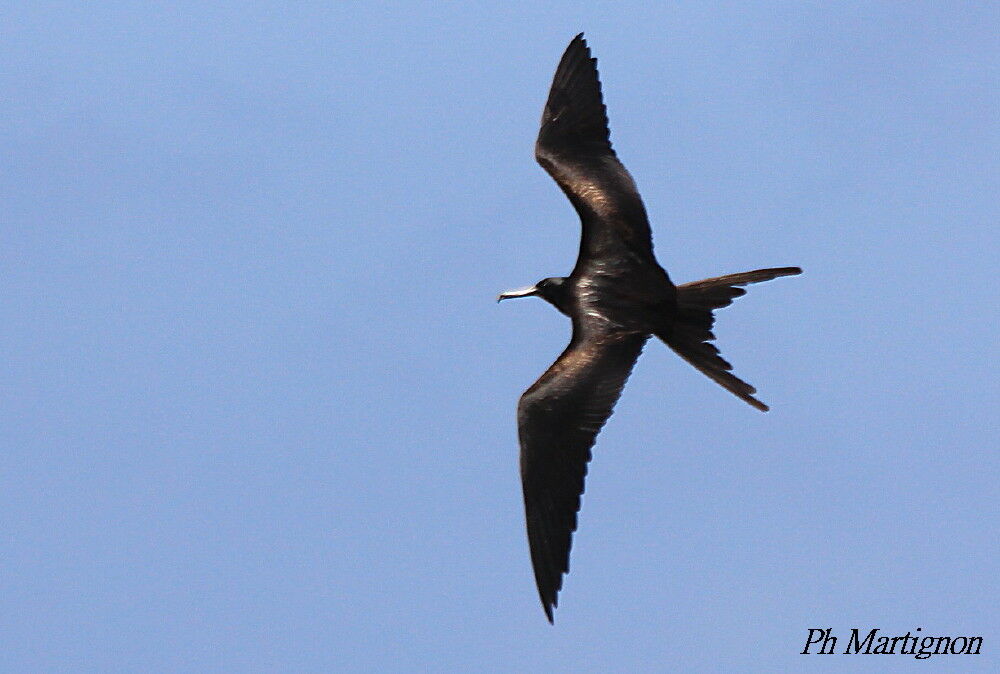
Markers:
point(552, 290)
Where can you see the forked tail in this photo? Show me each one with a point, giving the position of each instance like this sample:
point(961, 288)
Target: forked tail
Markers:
point(692, 335)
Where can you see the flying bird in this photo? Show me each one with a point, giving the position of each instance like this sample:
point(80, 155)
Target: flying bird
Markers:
point(617, 297)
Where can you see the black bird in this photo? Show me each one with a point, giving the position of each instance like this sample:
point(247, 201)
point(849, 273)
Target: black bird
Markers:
point(617, 297)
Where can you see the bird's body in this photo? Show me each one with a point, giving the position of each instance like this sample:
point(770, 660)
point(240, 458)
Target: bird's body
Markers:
point(617, 297)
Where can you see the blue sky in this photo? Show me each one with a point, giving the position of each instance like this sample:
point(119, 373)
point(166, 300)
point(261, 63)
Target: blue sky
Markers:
point(257, 400)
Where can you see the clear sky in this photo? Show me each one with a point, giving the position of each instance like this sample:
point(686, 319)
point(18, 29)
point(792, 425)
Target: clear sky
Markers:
point(257, 400)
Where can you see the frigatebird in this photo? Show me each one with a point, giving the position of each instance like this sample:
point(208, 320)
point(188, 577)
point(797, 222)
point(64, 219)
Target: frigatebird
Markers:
point(617, 297)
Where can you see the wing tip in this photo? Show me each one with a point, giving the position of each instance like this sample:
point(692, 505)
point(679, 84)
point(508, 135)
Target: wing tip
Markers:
point(579, 43)
point(550, 601)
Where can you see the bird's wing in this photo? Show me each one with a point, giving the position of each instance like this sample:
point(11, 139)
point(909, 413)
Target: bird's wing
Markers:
point(573, 146)
point(558, 420)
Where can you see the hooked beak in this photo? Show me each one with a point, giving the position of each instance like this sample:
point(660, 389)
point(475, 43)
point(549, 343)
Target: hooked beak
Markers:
point(520, 292)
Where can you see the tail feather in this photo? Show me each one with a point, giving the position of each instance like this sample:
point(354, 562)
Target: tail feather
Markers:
point(692, 331)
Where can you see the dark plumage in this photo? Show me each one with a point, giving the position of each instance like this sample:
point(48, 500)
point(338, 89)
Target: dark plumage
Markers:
point(617, 297)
